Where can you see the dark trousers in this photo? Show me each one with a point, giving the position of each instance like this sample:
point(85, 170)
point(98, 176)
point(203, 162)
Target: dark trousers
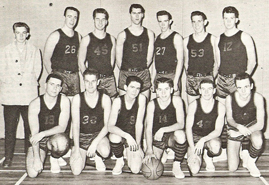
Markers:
point(11, 117)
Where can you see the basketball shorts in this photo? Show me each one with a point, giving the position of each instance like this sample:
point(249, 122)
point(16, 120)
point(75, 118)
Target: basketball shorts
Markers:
point(168, 75)
point(164, 143)
point(225, 85)
point(143, 75)
point(71, 84)
point(85, 140)
point(108, 85)
point(193, 82)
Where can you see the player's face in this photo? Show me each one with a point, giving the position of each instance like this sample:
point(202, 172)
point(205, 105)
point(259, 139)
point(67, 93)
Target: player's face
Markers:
point(21, 34)
point(53, 87)
point(100, 21)
point(198, 23)
point(229, 20)
point(137, 16)
point(91, 83)
point(164, 22)
point(244, 88)
point(164, 91)
point(133, 89)
point(71, 17)
point(207, 91)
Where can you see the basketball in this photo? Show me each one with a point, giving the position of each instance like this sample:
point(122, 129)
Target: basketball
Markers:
point(152, 170)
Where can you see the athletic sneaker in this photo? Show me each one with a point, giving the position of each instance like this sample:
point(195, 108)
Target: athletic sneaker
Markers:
point(244, 155)
point(221, 157)
point(177, 170)
point(99, 164)
point(209, 163)
point(252, 168)
point(117, 170)
point(54, 165)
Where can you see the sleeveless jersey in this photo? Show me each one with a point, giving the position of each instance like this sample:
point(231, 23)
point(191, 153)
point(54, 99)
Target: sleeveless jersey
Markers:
point(49, 118)
point(201, 56)
point(65, 52)
point(163, 117)
point(99, 54)
point(135, 50)
point(91, 119)
point(127, 118)
point(244, 115)
point(233, 54)
point(204, 123)
point(165, 53)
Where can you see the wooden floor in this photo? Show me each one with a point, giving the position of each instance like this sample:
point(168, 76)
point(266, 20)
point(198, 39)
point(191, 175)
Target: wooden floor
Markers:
point(16, 173)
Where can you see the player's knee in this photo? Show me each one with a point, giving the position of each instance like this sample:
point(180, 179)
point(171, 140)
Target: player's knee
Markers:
point(135, 169)
point(180, 136)
point(104, 151)
point(76, 170)
point(232, 168)
point(256, 140)
point(194, 168)
point(114, 138)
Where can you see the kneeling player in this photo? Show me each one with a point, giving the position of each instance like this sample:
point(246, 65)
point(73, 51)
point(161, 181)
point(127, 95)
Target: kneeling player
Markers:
point(48, 115)
point(245, 117)
point(165, 124)
point(90, 112)
point(204, 124)
point(126, 126)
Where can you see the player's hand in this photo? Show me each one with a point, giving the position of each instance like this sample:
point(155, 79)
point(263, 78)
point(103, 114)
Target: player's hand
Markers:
point(38, 165)
point(198, 149)
point(158, 135)
point(92, 149)
point(148, 157)
point(243, 130)
point(133, 146)
point(36, 138)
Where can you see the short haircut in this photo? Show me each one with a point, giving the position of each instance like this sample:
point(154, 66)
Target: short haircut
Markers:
point(91, 71)
point(243, 76)
point(230, 9)
point(136, 6)
point(134, 79)
point(21, 24)
point(52, 75)
point(169, 81)
point(63, 140)
point(207, 81)
point(71, 8)
point(198, 13)
point(164, 12)
point(100, 10)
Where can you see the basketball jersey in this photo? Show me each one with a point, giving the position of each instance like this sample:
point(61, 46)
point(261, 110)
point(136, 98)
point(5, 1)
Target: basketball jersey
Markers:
point(204, 123)
point(163, 117)
point(49, 118)
point(99, 54)
point(165, 53)
point(135, 50)
point(244, 115)
point(65, 52)
point(201, 55)
point(91, 119)
point(233, 54)
point(127, 118)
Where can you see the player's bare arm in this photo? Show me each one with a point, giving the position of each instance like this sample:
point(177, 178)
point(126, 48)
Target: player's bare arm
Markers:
point(119, 48)
point(49, 48)
point(82, 52)
point(150, 48)
point(251, 54)
point(178, 43)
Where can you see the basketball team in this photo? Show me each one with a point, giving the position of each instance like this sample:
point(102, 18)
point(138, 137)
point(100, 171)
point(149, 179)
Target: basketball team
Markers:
point(140, 115)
